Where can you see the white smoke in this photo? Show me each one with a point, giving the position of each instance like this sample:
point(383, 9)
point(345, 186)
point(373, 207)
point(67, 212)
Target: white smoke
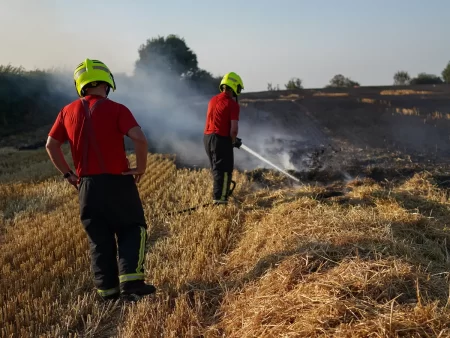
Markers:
point(172, 115)
point(169, 112)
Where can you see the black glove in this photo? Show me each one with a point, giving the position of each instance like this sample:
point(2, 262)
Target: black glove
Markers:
point(237, 143)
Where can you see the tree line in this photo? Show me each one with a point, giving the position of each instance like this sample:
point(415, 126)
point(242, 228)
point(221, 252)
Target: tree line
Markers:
point(33, 98)
point(30, 99)
point(401, 78)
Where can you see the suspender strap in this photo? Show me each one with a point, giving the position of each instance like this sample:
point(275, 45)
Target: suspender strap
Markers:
point(89, 135)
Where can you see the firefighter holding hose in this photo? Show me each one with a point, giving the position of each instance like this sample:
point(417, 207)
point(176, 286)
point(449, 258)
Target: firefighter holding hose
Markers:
point(109, 200)
point(220, 134)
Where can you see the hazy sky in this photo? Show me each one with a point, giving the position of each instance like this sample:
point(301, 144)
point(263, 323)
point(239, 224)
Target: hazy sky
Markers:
point(264, 41)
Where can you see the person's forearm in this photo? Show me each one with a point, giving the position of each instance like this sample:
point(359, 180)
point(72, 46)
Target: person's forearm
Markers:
point(58, 160)
point(141, 150)
point(233, 134)
point(234, 130)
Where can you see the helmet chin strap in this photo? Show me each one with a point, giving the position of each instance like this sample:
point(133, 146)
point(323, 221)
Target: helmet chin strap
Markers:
point(239, 88)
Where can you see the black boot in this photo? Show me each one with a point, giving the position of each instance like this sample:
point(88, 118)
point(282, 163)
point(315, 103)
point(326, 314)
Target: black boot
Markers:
point(137, 287)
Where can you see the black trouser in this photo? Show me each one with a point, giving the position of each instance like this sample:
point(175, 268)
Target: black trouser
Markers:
point(110, 206)
point(221, 158)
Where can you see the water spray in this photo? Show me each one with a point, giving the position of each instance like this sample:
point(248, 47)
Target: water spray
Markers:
point(247, 149)
point(233, 184)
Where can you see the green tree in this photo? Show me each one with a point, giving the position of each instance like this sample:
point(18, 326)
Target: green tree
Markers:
point(168, 55)
point(424, 78)
point(294, 83)
point(446, 73)
point(401, 78)
point(340, 81)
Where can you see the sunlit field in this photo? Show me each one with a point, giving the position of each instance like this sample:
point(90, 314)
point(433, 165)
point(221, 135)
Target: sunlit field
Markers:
point(279, 261)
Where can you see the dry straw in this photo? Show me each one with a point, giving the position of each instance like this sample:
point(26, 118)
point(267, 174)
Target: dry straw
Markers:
point(279, 261)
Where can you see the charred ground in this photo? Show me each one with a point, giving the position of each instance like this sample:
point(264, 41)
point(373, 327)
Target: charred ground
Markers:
point(335, 134)
point(321, 135)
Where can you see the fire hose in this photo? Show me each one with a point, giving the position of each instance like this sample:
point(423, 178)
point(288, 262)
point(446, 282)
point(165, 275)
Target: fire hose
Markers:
point(238, 144)
point(232, 186)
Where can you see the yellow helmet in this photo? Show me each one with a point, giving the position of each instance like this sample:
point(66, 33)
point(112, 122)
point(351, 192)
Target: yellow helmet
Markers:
point(90, 72)
point(233, 81)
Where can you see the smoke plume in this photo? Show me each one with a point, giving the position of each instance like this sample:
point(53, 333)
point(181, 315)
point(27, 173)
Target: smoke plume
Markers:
point(172, 114)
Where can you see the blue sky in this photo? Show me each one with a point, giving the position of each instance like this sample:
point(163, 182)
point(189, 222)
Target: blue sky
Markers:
point(263, 41)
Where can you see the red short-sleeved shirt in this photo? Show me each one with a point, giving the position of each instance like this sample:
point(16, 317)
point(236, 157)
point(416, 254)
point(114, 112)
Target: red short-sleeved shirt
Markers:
point(221, 110)
point(110, 121)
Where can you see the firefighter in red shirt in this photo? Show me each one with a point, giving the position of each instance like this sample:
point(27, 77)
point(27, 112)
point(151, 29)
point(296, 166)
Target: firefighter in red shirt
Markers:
point(220, 135)
point(109, 200)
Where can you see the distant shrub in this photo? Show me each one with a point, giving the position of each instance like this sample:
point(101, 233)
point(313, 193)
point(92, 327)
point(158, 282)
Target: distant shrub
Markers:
point(294, 83)
point(401, 78)
point(446, 73)
point(424, 78)
point(271, 87)
point(340, 81)
point(27, 99)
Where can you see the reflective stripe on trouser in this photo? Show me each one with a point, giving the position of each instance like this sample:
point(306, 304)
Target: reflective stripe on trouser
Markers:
point(130, 271)
point(131, 277)
point(109, 292)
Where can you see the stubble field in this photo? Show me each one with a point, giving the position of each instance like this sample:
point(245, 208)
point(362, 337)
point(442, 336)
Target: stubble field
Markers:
point(364, 254)
point(360, 259)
